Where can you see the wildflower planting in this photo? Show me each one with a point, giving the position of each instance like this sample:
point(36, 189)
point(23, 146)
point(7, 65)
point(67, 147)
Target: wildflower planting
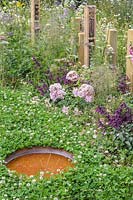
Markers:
point(53, 104)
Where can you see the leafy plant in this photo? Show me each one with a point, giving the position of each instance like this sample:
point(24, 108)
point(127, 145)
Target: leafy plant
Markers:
point(123, 115)
point(125, 136)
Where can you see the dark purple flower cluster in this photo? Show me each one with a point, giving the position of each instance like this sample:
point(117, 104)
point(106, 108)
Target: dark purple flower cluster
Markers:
point(48, 77)
point(43, 89)
point(123, 115)
point(59, 76)
point(122, 85)
point(102, 110)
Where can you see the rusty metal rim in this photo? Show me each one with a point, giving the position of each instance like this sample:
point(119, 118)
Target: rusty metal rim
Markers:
point(38, 150)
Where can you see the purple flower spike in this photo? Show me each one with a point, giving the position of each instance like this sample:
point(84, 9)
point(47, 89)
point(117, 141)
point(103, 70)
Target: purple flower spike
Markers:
point(37, 64)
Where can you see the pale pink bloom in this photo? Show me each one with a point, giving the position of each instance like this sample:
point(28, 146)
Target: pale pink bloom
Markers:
point(85, 91)
point(75, 92)
point(131, 53)
point(72, 76)
point(77, 111)
point(55, 86)
point(81, 93)
point(56, 91)
point(65, 110)
point(89, 98)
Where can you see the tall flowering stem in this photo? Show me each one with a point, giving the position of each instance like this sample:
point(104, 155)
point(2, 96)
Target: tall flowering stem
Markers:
point(122, 85)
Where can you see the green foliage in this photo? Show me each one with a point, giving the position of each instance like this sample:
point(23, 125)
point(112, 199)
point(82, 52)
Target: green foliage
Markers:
point(125, 136)
point(52, 43)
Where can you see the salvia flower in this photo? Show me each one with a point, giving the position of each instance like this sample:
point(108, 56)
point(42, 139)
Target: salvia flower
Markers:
point(72, 76)
point(122, 85)
point(42, 89)
point(123, 115)
point(36, 62)
point(102, 110)
point(56, 91)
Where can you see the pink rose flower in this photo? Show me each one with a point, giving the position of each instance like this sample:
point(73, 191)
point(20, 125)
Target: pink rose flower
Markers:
point(85, 91)
point(72, 76)
point(55, 87)
point(56, 91)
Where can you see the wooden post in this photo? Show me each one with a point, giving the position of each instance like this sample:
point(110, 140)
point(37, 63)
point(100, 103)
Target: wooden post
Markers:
point(81, 48)
point(89, 31)
point(129, 59)
point(35, 18)
point(77, 23)
point(112, 41)
point(76, 27)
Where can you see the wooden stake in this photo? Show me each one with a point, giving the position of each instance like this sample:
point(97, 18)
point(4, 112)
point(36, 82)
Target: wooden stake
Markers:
point(89, 31)
point(129, 63)
point(112, 41)
point(77, 23)
point(76, 27)
point(35, 18)
point(81, 48)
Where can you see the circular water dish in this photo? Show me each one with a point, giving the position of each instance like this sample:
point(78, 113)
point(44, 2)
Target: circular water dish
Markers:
point(30, 161)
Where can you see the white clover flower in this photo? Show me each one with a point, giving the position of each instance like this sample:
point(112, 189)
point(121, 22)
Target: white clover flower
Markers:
point(20, 184)
point(47, 103)
point(77, 111)
point(79, 156)
point(95, 136)
point(28, 184)
point(55, 198)
point(35, 100)
point(34, 181)
point(4, 42)
point(42, 173)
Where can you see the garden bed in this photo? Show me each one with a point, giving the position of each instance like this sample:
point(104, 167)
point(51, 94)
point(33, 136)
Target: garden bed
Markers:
point(101, 170)
point(49, 98)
